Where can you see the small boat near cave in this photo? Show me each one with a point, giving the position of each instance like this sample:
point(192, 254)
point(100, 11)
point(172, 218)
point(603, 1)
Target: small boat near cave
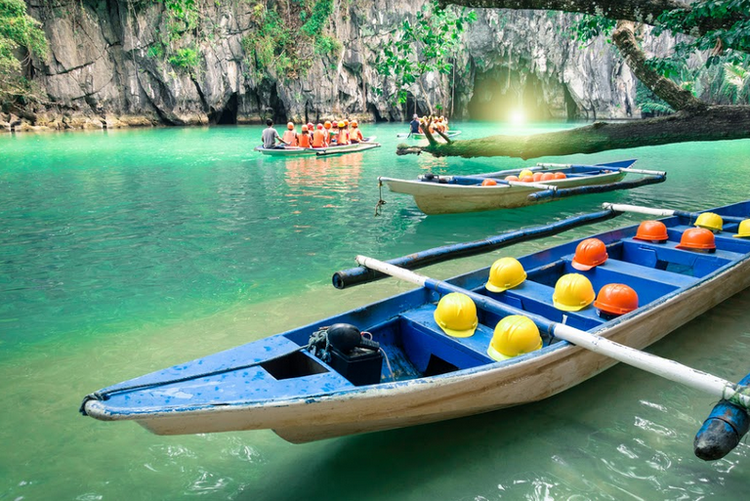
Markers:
point(326, 379)
point(455, 194)
point(409, 135)
point(296, 151)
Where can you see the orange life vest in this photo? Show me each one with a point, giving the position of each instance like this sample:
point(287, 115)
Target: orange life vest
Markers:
point(319, 139)
point(304, 140)
point(290, 137)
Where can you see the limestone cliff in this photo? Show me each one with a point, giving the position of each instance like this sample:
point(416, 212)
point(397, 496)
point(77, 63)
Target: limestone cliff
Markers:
point(102, 69)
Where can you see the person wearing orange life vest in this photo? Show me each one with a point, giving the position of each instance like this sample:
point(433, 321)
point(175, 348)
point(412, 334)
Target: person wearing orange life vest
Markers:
point(327, 130)
point(319, 137)
point(343, 137)
point(355, 136)
point(333, 133)
point(304, 139)
point(290, 136)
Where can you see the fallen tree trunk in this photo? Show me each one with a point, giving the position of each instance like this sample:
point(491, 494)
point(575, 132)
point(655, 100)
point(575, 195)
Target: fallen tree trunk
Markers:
point(714, 123)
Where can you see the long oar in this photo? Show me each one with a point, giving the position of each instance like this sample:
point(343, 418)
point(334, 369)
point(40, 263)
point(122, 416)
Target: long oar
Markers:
point(668, 369)
point(650, 211)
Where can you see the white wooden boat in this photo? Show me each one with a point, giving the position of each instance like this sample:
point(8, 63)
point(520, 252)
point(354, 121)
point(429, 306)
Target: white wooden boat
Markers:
point(455, 194)
point(296, 151)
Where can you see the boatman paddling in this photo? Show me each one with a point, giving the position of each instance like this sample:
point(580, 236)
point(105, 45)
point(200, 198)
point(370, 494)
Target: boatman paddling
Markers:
point(270, 136)
point(414, 124)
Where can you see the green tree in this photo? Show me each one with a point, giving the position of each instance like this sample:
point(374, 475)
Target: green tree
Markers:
point(20, 37)
point(428, 44)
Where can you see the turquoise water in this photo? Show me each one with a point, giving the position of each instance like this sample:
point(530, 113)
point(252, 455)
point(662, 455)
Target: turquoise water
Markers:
point(127, 251)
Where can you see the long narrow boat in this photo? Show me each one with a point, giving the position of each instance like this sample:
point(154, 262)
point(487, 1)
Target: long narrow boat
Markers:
point(456, 194)
point(409, 135)
point(320, 381)
point(296, 151)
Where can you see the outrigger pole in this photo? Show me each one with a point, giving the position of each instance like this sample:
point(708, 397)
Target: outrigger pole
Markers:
point(662, 212)
point(669, 369)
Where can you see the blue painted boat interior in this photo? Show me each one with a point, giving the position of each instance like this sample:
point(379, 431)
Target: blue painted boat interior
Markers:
point(279, 367)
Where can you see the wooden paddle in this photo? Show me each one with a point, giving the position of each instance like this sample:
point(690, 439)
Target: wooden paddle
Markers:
point(669, 369)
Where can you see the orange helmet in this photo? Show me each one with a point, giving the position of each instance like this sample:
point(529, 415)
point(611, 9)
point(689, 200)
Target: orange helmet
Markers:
point(489, 182)
point(327, 125)
point(346, 122)
point(290, 126)
point(304, 128)
point(697, 239)
point(589, 253)
point(616, 299)
point(652, 231)
point(354, 123)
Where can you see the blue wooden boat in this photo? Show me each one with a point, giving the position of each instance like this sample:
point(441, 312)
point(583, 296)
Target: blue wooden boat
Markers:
point(319, 381)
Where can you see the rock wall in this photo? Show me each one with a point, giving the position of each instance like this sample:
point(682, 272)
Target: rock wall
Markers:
point(102, 72)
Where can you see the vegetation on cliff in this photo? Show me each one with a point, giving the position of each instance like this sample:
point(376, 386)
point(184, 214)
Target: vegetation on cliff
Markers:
point(721, 27)
point(20, 36)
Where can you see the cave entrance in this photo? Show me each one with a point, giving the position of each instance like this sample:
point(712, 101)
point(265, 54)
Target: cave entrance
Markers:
point(226, 115)
point(503, 95)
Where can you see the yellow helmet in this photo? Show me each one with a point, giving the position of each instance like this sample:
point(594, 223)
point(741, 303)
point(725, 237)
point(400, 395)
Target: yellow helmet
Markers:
point(505, 274)
point(573, 292)
point(341, 124)
point(456, 314)
point(743, 231)
point(710, 221)
point(525, 172)
point(514, 335)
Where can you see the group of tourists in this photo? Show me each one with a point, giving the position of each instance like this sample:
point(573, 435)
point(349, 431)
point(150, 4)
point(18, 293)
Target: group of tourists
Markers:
point(439, 124)
point(322, 135)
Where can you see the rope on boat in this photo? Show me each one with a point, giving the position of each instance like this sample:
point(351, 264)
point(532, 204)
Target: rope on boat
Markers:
point(381, 202)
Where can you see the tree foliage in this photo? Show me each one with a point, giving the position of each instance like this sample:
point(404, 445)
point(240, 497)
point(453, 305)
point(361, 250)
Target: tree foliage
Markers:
point(20, 35)
point(428, 44)
point(288, 36)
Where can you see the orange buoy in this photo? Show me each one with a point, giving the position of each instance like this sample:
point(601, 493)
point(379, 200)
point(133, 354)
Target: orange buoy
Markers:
point(527, 179)
point(538, 176)
point(548, 176)
point(512, 178)
point(560, 175)
point(489, 182)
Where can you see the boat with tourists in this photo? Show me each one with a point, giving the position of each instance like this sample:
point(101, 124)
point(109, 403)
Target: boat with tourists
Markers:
point(367, 143)
point(513, 332)
point(507, 189)
point(409, 135)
